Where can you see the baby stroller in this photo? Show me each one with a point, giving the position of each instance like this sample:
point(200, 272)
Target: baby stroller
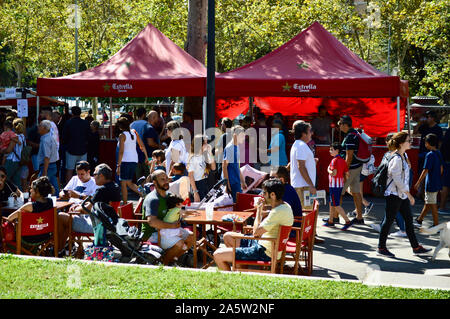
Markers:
point(108, 227)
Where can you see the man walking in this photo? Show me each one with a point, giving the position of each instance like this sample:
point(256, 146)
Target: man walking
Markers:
point(350, 147)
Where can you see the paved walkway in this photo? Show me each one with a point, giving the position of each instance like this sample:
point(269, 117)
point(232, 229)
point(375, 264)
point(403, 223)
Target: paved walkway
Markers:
point(348, 254)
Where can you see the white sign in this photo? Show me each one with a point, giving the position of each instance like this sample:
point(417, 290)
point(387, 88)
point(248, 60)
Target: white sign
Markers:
point(10, 93)
point(22, 108)
point(2, 95)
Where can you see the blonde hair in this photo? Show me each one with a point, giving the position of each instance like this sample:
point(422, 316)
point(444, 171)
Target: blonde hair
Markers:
point(19, 126)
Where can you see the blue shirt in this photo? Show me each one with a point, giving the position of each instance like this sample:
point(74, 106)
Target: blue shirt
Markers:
point(47, 148)
point(291, 197)
point(232, 155)
point(140, 126)
point(433, 163)
point(279, 157)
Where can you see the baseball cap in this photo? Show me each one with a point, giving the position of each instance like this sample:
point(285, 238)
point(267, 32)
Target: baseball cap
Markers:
point(345, 119)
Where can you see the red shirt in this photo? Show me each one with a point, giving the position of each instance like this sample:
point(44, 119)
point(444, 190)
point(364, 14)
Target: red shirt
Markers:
point(340, 165)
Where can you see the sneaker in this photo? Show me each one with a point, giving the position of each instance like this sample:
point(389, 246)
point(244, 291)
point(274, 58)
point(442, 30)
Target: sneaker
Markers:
point(376, 227)
point(352, 214)
point(357, 221)
point(420, 250)
point(347, 226)
point(328, 224)
point(385, 252)
point(367, 209)
point(335, 220)
point(399, 234)
point(418, 223)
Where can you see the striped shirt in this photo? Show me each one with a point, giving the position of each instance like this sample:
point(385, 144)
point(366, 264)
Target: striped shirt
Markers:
point(338, 164)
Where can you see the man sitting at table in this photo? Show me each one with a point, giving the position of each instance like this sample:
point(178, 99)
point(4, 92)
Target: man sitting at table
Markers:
point(154, 211)
point(81, 185)
point(108, 191)
point(280, 215)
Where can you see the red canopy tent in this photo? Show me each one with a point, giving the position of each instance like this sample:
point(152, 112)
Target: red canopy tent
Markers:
point(149, 65)
point(311, 69)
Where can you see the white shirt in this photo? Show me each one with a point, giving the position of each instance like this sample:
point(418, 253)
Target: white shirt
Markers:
point(129, 148)
point(398, 177)
point(197, 165)
point(77, 185)
point(179, 146)
point(55, 133)
point(301, 151)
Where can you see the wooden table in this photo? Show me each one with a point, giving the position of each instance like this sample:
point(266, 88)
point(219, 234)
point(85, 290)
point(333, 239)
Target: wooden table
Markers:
point(198, 217)
point(60, 206)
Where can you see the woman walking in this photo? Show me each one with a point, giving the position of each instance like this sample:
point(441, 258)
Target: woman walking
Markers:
point(128, 157)
point(12, 163)
point(176, 152)
point(398, 197)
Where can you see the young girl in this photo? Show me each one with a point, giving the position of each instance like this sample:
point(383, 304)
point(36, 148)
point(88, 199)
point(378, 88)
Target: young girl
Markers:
point(170, 236)
point(398, 197)
point(337, 170)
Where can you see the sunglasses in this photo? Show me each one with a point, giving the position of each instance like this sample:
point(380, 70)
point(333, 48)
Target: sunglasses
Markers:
point(2, 175)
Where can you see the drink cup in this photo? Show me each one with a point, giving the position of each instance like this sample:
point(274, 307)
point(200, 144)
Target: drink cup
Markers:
point(26, 196)
point(54, 198)
point(209, 208)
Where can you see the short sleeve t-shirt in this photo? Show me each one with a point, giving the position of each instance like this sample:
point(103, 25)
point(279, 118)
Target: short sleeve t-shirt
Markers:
point(154, 205)
point(75, 184)
point(279, 216)
point(107, 193)
point(351, 143)
point(197, 165)
point(340, 165)
point(424, 130)
point(433, 163)
point(231, 154)
point(150, 132)
point(301, 151)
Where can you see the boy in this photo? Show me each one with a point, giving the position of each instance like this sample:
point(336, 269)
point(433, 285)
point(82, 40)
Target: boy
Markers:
point(432, 171)
point(337, 170)
point(231, 167)
point(178, 171)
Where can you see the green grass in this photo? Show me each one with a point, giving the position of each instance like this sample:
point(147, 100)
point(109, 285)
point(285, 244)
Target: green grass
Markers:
point(44, 279)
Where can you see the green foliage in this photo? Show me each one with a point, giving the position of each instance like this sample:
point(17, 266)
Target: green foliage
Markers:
point(36, 39)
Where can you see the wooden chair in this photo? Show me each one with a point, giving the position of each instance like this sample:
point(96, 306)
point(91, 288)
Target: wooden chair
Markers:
point(36, 224)
point(300, 250)
point(278, 245)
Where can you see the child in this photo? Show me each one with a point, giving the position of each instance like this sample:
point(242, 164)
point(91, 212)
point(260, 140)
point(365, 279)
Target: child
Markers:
point(367, 169)
point(178, 171)
point(158, 158)
point(7, 135)
point(172, 235)
point(337, 170)
point(432, 171)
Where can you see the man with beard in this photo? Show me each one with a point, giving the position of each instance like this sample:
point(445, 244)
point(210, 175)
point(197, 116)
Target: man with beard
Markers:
point(154, 210)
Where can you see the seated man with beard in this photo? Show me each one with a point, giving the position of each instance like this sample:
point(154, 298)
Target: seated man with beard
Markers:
point(154, 210)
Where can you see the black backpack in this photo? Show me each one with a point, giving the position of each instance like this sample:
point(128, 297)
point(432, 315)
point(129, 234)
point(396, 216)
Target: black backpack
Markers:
point(379, 180)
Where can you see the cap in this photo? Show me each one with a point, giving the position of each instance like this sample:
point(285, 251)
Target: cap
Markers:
point(345, 119)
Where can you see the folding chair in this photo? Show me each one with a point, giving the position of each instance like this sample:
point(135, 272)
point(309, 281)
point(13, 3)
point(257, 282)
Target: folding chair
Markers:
point(278, 245)
point(300, 250)
point(37, 224)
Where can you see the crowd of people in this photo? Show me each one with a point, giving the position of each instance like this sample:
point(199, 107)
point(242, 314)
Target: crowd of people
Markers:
point(148, 146)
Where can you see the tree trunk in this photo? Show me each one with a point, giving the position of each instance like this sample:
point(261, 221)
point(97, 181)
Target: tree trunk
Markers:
point(196, 46)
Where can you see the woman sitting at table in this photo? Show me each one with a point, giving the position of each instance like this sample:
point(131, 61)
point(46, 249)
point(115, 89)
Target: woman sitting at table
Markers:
point(7, 189)
point(40, 188)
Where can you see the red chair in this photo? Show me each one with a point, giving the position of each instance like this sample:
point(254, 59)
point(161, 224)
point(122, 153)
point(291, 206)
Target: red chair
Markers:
point(115, 205)
point(36, 224)
point(300, 249)
point(244, 203)
point(278, 245)
point(126, 212)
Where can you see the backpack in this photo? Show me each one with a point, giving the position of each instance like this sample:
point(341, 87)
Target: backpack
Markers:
point(25, 154)
point(364, 147)
point(379, 180)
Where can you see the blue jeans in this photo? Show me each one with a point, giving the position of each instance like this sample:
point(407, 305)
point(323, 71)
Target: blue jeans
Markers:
point(51, 174)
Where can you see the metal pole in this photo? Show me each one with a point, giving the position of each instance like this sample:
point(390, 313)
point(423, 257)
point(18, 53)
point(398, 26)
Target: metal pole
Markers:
point(398, 113)
point(76, 42)
point(110, 118)
point(409, 116)
point(211, 68)
point(37, 110)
